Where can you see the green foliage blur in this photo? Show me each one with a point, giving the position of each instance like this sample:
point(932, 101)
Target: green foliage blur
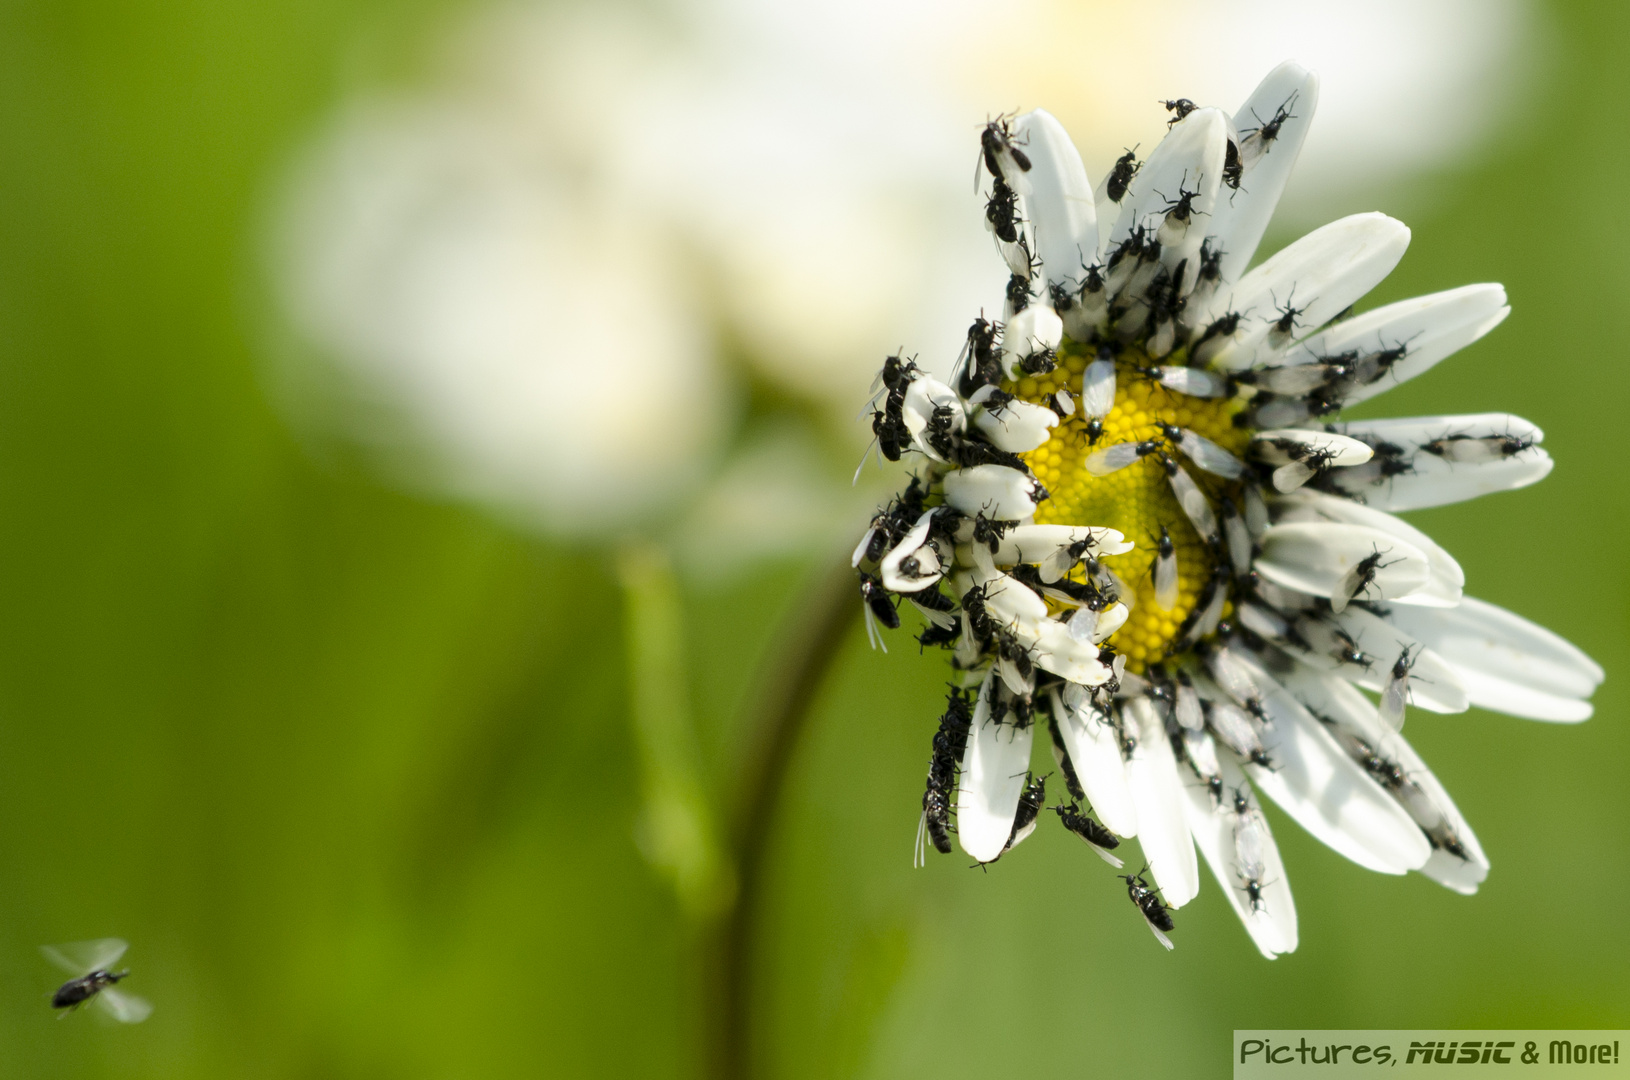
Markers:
point(355, 774)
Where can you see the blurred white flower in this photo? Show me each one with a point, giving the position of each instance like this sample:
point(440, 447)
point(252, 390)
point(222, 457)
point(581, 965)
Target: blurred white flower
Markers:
point(527, 261)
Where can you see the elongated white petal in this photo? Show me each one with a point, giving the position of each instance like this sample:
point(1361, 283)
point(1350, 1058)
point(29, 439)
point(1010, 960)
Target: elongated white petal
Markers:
point(1016, 427)
point(1427, 329)
point(1157, 791)
point(1428, 480)
point(993, 490)
point(1273, 927)
point(1242, 215)
point(1033, 543)
point(1344, 709)
point(1506, 663)
point(1015, 606)
point(1318, 558)
point(993, 775)
point(1095, 750)
point(1327, 793)
point(1433, 684)
point(1189, 158)
point(1443, 586)
point(1060, 202)
point(1098, 388)
point(1280, 445)
point(1319, 275)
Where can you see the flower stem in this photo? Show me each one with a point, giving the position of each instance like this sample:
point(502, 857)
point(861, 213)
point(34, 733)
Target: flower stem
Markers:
point(786, 689)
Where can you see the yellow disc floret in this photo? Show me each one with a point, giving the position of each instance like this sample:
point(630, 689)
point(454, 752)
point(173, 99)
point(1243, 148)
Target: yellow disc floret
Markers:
point(1138, 499)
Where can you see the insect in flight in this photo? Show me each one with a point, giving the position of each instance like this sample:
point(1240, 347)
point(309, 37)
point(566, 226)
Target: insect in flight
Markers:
point(91, 963)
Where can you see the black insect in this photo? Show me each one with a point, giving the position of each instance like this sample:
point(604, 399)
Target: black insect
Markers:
point(1126, 167)
point(989, 531)
point(1031, 800)
point(92, 962)
point(997, 137)
point(1179, 108)
point(1253, 892)
point(1357, 581)
point(1233, 172)
point(982, 366)
point(1002, 210)
point(979, 616)
point(1287, 321)
point(934, 635)
point(1018, 293)
point(1038, 363)
point(950, 743)
point(1182, 207)
point(1267, 132)
point(1086, 828)
point(877, 599)
point(1148, 900)
point(1093, 430)
point(1015, 652)
point(892, 434)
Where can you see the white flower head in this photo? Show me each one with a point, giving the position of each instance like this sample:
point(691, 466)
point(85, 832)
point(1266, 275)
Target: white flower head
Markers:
point(1190, 569)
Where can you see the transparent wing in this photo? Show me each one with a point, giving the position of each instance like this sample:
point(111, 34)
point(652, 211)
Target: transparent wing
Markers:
point(82, 957)
point(125, 1008)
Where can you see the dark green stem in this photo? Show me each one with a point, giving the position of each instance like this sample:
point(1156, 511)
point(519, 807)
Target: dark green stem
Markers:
point(787, 687)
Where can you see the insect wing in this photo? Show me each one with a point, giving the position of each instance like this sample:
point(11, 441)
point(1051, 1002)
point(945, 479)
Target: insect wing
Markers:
point(1098, 388)
point(84, 957)
point(1160, 937)
point(1111, 458)
point(1209, 456)
point(125, 1008)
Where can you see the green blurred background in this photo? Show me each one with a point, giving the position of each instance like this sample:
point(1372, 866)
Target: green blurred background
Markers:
point(353, 771)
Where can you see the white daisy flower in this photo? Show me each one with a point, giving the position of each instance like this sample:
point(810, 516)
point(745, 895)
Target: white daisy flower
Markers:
point(1139, 526)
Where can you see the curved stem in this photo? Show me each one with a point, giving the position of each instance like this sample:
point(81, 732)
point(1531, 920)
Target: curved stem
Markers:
point(786, 689)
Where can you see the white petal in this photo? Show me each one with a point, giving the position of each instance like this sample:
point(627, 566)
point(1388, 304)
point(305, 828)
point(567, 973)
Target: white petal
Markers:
point(1319, 275)
point(1430, 327)
point(1506, 663)
point(1095, 750)
point(1343, 450)
point(993, 775)
point(1033, 543)
point(1274, 927)
point(1339, 704)
point(1035, 329)
point(1060, 203)
point(1242, 216)
point(1327, 793)
point(994, 490)
point(912, 546)
point(1315, 557)
point(1059, 652)
point(1443, 587)
point(1434, 481)
point(1016, 427)
point(1189, 158)
point(1157, 791)
point(1433, 684)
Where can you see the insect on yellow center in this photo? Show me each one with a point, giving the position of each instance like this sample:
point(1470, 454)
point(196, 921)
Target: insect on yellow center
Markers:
point(1136, 500)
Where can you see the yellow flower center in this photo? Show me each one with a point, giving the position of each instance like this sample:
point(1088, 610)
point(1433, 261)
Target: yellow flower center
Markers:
point(1138, 499)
